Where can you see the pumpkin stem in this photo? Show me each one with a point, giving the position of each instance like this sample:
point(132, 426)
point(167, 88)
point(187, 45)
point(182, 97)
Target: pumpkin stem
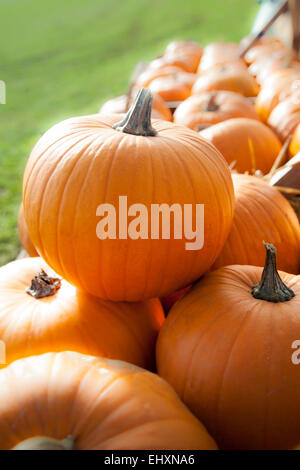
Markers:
point(211, 104)
point(45, 443)
point(271, 286)
point(138, 119)
point(43, 285)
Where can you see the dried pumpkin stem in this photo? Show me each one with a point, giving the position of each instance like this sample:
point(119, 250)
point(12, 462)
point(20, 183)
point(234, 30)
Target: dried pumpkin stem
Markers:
point(211, 104)
point(271, 286)
point(45, 443)
point(138, 119)
point(43, 285)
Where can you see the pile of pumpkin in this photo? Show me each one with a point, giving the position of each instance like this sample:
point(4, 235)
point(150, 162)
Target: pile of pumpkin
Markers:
point(138, 343)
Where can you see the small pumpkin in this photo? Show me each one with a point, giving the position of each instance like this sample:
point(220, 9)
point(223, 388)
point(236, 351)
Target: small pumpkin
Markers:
point(190, 48)
point(218, 53)
point(170, 88)
point(263, 68)
point(276, 88)
point(295, 142)
point(24, 236)
point(120, 105)
point(285, 117)
point(209, 108)
point(226, 348)
point(188, 63)
point(231, 76)
point(85, 162)
point(67, 401)
point(174, 73)
point(39, 312)
point(261, 213)
point(247, 143)
point(264, 51)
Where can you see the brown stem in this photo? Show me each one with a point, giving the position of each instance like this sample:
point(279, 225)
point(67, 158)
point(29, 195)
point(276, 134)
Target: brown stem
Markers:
point(138, 119)
point(211, 105)
point(271, 287)
point(43, 285)
point(45, 443)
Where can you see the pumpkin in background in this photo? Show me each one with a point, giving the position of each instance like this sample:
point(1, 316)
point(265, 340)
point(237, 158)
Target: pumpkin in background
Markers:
point(247, 142)
point(177, 76)
point(266, 39)
point(120, 105)
point(264, 51)
point(294, 147)
point(206, 109)
point(276, 88)
point(261, 213)
point(85, 162)
point(285, 117)
point(24, 236)
point(70, 401)
point(232, 76)
point(218, 53)
point(169, 300)
point(190, 48)
point(226, 348)
point(170, 88)
point(188, 63)
point(40, 312)
point(263, 68)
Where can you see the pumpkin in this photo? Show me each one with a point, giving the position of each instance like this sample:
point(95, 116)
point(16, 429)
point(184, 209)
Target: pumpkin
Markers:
point(24, 236)
point(261, 213)
point(226, 348)
point(85, 162)
point(285, 117)
point(209, 108)
point(264, 51)
point(170, 89)
point(294, 147)
point(264, 40)
point(276, 88)
point(218, 53)
point(40, 312)
point(264, 67)
point(173, 73)
point(190, 48)
point(169, 300)
point(229, 76)
point(120, 105)
point(67, 400)
point(188, 63)
point(247, 142)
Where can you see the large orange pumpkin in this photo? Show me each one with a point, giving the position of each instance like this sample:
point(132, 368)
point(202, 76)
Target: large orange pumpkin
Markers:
point(39, 312)
point(209, 108)
point(261, 213)
point(227, 349)
point(232, 76)
point(24, 236)
point(276, 88)
point(120, 105)
point(247, 142)
point(218, 53)
point(70, 401)
point(285, 116)
point(85, 162)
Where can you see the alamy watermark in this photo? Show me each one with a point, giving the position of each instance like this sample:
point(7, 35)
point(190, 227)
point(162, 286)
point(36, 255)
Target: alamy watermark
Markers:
point(2, 92)
point(160, 222)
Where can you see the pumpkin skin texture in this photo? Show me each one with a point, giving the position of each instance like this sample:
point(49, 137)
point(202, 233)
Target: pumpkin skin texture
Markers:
point(229, 76)
point(190, 48)
point(24, 236)
point(118, 105)
point(276, 88)
point(261, 213)
point(209, 108)
point(285, 117)
point(229, 357)
point(218, 53)
point(249, 143)
point(73, 320)
point(170, 89)
point(84, 162)
point(99, 403)
point(188, 63)
point(294, 147)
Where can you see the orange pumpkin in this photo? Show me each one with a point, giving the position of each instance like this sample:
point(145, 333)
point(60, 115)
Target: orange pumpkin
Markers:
point(24, 236)
point(170, 89)
point(266, 39)
point(264, 51)
point(188, 63)
point(247, 142)
point(41, 312)
point(170, 300)
point(206, 109)
point(120, 105)
point(85, 162)
point(190, 48)
point(264, 67)
point(276, 88)
point(285, 117)
point(227, 348)
point(295, 142)
point(70, 401)
point(174, 73)
point(232, 76)
point(218, 53)
point(261, 213)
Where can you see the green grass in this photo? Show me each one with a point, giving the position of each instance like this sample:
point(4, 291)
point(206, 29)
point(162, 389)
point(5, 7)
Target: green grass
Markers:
point(61, 58)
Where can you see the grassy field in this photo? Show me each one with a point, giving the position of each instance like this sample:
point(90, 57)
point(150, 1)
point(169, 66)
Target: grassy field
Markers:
point(61, 58)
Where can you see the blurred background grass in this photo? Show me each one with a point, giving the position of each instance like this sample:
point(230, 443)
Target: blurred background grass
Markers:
point(61, 58)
